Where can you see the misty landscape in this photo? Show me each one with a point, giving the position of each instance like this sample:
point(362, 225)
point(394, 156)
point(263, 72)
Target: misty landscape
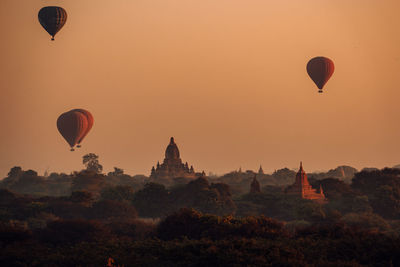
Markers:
point(89, 218)
point(199, 133)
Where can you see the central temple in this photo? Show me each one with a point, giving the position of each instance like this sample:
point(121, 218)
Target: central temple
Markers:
point(172, 167)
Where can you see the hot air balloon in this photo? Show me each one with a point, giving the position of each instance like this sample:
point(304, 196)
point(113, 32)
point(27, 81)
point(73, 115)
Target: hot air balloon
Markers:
point(320, 69)
point(72, 125)
point(52, 19)
point(90, 120)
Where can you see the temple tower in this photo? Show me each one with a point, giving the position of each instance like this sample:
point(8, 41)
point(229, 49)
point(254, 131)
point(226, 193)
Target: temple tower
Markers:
point(303, 189)
point(255, 186)
point(172, 166)
point(260, 170)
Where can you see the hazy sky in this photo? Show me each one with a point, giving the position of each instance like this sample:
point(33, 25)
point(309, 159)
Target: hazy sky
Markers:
point(226, 78)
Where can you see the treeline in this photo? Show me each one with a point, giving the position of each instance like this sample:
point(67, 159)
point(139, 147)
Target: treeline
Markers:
point(239, 181)
point(62, 184)
point(374, 193)
point(152, 201)
point(372, 200)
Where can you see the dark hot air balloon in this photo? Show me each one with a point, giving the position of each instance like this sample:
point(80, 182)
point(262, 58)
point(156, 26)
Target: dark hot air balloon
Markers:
point(52, 18)
point(72, 125)
point(320, 69)
point(90, 120)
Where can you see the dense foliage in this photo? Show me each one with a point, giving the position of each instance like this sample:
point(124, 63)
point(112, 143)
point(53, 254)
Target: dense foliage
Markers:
point(190, 238)
point(90, 219)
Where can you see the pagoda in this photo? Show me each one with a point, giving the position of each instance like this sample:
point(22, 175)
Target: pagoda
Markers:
point(303, 189)
point(255, 186)
point(260, 170)
point(172, 167)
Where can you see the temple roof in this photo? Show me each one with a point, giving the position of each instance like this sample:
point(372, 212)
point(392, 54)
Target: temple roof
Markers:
point(301, 176)
point(301, 167)
point(172, 151)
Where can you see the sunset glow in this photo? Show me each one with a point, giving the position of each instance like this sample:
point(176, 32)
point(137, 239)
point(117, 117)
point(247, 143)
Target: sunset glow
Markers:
point(226, 78)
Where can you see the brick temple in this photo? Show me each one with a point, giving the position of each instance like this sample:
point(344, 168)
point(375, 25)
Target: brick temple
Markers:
point(303, 189)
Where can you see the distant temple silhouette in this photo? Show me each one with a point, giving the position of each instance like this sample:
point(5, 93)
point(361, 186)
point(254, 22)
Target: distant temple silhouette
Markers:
point(255, 186)
point(172, 167)
point(303, 189)
point(260, 170)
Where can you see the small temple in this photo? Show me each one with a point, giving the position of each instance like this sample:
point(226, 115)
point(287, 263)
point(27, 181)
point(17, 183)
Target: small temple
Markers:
point(172, 167)
point(260, 170)
point(303, 189)
point(255, 186)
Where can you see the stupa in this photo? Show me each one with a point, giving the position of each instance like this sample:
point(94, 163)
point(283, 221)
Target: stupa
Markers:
point(303, 189)
point(172, 167)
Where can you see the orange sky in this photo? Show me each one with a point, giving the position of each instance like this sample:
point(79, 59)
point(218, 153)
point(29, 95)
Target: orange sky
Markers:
point(226, 78)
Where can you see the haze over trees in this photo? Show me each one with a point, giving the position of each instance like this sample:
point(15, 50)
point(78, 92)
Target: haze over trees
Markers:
point(125, 219)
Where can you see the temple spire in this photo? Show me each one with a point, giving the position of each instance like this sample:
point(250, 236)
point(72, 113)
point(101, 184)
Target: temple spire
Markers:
point(303, 189)
point(260, 170)
point(255, 186)
point(172, 151)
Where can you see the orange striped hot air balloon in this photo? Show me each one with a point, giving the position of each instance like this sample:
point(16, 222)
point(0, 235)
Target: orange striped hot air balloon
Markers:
point(72, 125)
point(320, 69)
point(52, 19)
point(90, 120)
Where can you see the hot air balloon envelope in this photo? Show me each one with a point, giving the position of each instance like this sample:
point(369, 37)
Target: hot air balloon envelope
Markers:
point(52, 19)
point(90, 120)
point(72, 125)
point(320, 69)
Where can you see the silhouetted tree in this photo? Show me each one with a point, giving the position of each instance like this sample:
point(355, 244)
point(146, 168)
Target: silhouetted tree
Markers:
point(112, 210)
point(152, 200)
point(383, 190)
point(83, 197)
point(119, 193)
point(195, 225)
point(91, 161)
point(89, 181)
point(202, 196)
point(284, 176)
point(25, 182)
point(386, 201)
point(116, 172)
point(333, 187)
point(74, 231)
point(15, 171)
